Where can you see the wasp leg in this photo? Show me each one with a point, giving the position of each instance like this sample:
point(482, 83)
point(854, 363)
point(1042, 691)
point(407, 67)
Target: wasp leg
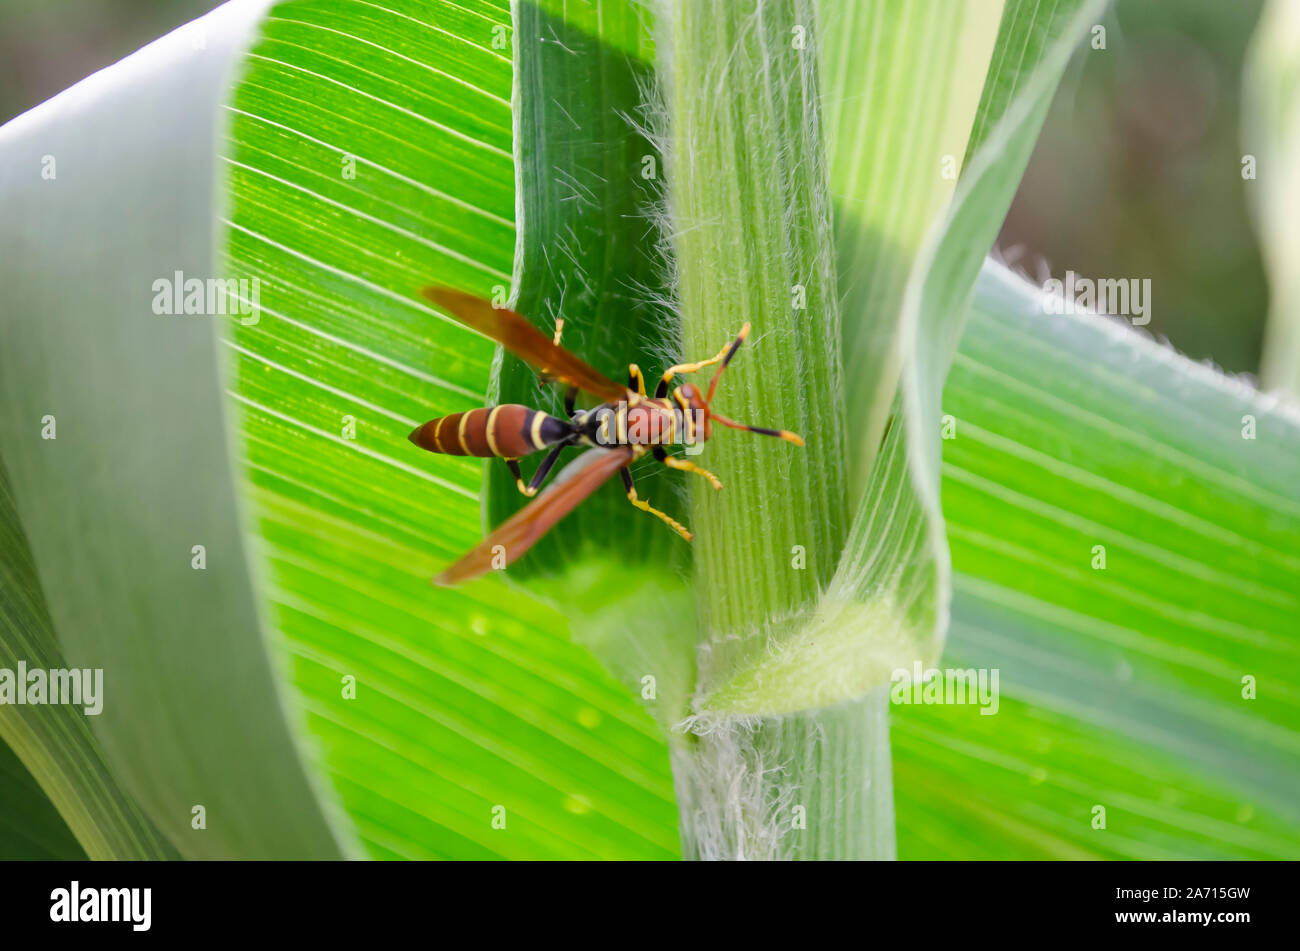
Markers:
point(543, 377)
point(513, 465)
point(662, 389)
point(645, 506)
point(543, 470)
point(672, 462)
point(635, 379)
point(570, 400)
point(539, 476)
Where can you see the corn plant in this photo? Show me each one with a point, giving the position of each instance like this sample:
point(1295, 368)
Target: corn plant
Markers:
point(210, 494)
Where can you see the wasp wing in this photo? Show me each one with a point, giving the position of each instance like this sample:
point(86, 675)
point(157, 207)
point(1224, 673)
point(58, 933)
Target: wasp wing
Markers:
point(520, 532)
point(521, 338)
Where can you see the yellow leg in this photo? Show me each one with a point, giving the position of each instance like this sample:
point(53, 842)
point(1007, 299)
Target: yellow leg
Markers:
point(645, 506)
point(693, 367)
point(686, 465)
point(522, 486)
point(543, 377)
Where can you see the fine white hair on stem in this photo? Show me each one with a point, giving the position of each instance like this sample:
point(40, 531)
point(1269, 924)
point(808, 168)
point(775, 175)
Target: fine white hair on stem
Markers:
point(743, 214)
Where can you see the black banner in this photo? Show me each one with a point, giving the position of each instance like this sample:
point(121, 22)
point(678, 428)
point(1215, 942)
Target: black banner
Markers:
point(942, 900)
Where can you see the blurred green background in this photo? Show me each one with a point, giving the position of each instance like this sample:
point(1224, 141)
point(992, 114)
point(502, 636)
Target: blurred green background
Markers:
point(1137, 173)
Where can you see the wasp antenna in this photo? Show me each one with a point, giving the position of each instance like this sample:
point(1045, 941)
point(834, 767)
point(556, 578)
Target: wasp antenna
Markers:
point(778, 433)
point(731, 352)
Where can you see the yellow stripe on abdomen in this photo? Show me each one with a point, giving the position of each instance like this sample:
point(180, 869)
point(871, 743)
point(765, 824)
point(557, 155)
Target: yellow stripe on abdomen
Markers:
point(535, 430)
point(491, 430)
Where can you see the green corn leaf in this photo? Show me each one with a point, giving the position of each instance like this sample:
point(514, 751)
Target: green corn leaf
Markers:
point(369, 155)
point(58, 789)
point(588, 180)
point(30, 825)
point(1026, 34)
point(1153, 676)
point(136, 473)
point(895, 140)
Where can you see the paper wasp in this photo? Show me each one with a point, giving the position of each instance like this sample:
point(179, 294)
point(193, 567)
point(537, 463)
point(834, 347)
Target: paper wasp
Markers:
point(626, 425)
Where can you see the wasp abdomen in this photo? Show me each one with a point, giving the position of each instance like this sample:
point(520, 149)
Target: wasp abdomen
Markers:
point(509, 431)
